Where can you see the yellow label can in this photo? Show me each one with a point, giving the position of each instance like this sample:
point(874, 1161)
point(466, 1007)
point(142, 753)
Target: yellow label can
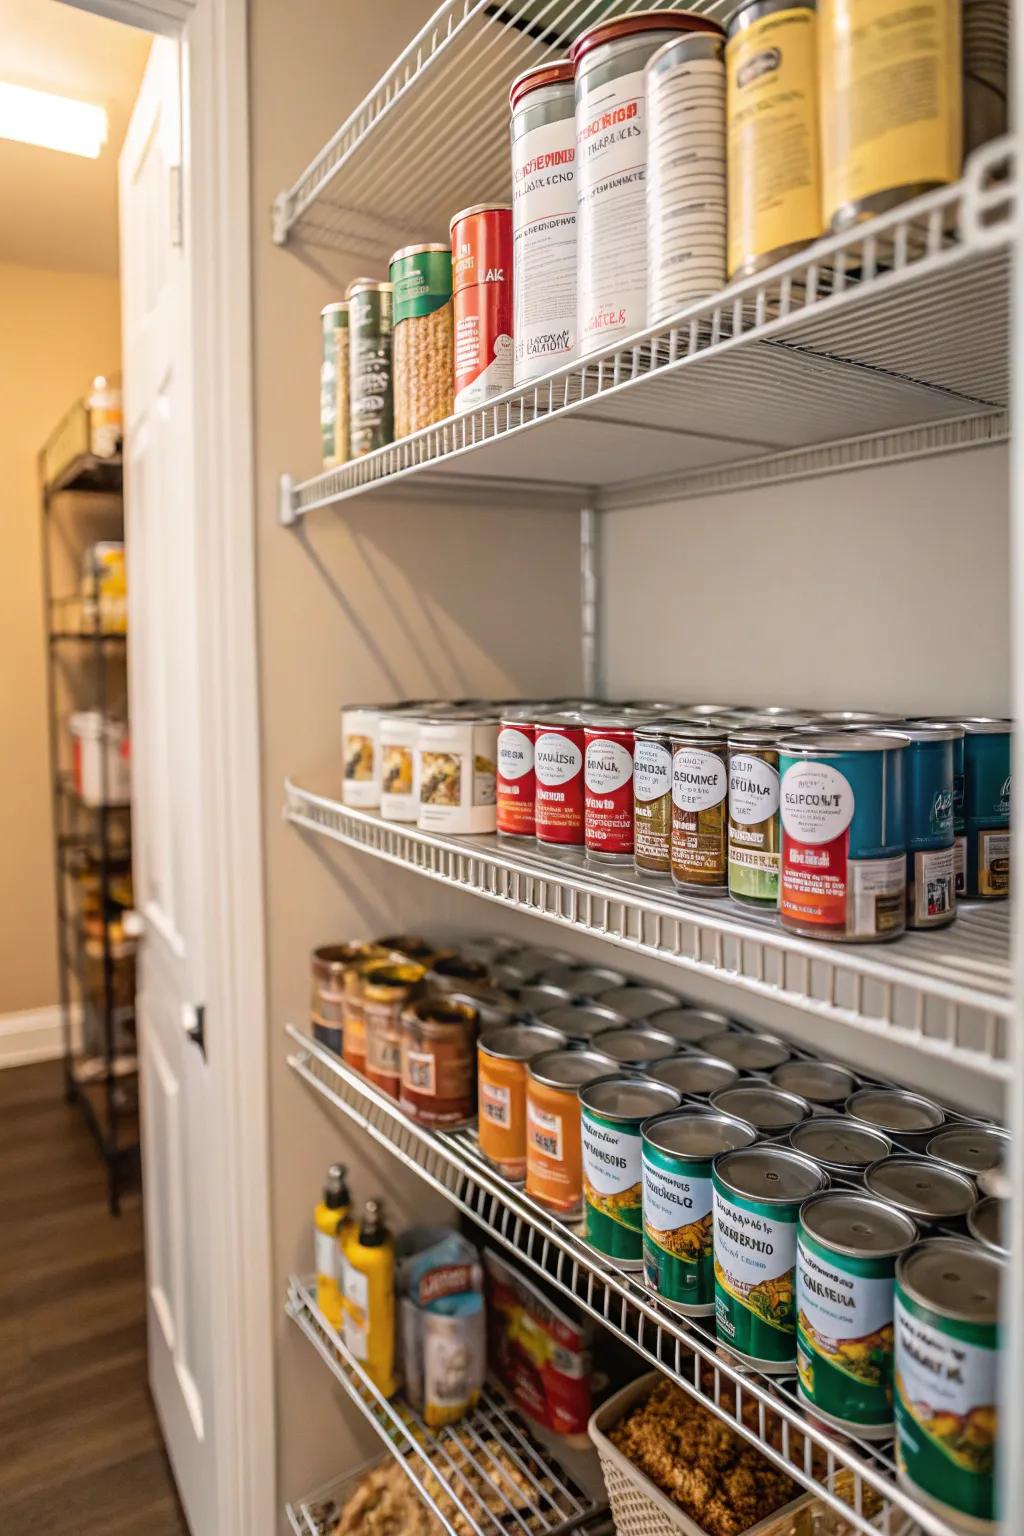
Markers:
point(772, 113)
point(891, 103)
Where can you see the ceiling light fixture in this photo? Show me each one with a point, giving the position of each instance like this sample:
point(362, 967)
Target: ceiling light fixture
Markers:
point(52, 122)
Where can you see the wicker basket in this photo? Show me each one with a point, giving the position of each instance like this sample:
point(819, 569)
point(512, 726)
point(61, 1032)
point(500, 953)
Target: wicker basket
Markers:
point(639, 1506)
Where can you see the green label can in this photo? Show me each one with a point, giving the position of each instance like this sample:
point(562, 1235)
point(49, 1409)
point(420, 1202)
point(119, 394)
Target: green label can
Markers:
point(754, 830)
point(612, 1111)
point(757, 1194)
point(946, 1353)
point(847, 1247)
point(371, 404)
point(334, 384)
point(423, 340)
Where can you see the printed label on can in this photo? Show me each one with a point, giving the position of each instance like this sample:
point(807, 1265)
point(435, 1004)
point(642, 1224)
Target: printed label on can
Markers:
point(845, 1333)
point(993, 863)
point(877, 896)
point(699, 833)
point(686, 195)
point(753, 827)
point(933, 885)
point(817, 880)
point(652, 805)
point(419, 1072)
point(946, 1407)
point(482, 282)
point(608, 803)
point(611, 160)
point(515, 782)
point(699, 779)
point(371, 404)
point(753, 789)
point(755, 1275)
point(677, 1231)
point(496, 1104)
point(558, 766)
point(544, 247)
point(611, 1186)
point(960, 865)
point(545, 1131)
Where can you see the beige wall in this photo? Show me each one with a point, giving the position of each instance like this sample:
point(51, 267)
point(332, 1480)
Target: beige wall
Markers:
point(57, 329)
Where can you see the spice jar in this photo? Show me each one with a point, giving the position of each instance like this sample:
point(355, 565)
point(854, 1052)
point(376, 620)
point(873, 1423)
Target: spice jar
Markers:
point(438, 1061)
point(332, 966)
point(371, 407)
point(385, 989)
point(334, 384)
point(421, 276)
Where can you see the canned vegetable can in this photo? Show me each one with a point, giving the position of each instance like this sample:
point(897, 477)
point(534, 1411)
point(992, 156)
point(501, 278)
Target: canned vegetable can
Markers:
point(754, 830)
point(840, 1146)
point(334, 384)
point(987, 754)
point(371, 400)
point(612, 1111)
point(421, 276)
point(558, 770)
point(456, 772)
point(959, 826)
point(608, 789)
point(909, 1116)
point(502, 1057)
point(554, 1154)
point(516, 782)
point(746, 1052)
point(700, 785)
point(360, 755)
point(482, 303)
point(652, 801)
point(928, 788)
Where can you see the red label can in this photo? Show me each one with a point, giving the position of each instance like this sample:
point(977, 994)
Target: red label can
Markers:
point(558, 769)
point(608, 791)
point(516, 780)
point(482, 303)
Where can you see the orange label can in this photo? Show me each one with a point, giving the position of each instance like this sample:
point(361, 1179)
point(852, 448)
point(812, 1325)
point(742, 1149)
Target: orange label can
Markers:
point(554, 1153)
point(502, 1058)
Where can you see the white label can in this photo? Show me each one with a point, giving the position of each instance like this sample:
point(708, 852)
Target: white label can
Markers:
point(360, 755)
point(543, 219)
point(456, 774)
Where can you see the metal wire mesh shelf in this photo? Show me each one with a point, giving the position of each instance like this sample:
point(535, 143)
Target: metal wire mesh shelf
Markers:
point(945, 993)
point(486, 1473)
point(855, 1479)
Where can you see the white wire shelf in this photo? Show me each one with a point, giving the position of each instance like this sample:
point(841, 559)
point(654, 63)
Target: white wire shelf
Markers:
point(855, 1479)
point(486, 1475)
point(946, 993)
point(898, 325)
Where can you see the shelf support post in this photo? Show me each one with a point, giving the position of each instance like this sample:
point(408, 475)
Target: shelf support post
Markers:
point(590, 601)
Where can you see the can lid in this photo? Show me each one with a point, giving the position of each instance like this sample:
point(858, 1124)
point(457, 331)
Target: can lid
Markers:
point(922, 1187)
point(857, 1224)
point(693, 1025)
point(627, 1096)
point(367, 284)
point(972, 1148)
point(917, 730)
point(755, 736)
point(383, 978)
point(709, 711)
point(339, 307)
point(687, 46)
point(820, 1081)
point(751, 1053)
point(693, 1074)
point(894, 1109)
point(954, 1277)
point(570, 1069)
point(554, 72)
point(460, 717)
point(465, 213)
point(819, 743)
point(639, 1002)
point(632, 1045)
point(770, 1175)
point(538, 959)
point(978, 725)
point(602, 720)
point(521, 1042)
point(579, 1021)
point(987, 1224)
point(438, 1009)
point(584, 980)
point(697, 1133)
point(639, 21)
point(542, 996)
point(411, 946)
point(562, 719)
point(427, 248)
point(839, 1143)
point(856, 717)
point(766, 1108)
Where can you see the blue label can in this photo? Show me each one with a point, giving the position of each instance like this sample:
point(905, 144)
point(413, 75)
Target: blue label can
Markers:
point(930, 795)
point(987, 753)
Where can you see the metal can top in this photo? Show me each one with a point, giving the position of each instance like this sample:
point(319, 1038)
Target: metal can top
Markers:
point(770, 1175)
point(971, 1148)
point(825, 743)
point(521, 1042)
point(541, 997)
point(757, 737)
point(634, 1046)
point(439, 1011)
point(383, 980)
point(367, 285)
point(953, 1277)
point(913, 730)
point(692, 1025)
point(570, 1069)
point(654, 706)
point(654, 732)
point(696, 1134)
point(699, 733)
point(450, 966)
point(702, 711)
point(538, 960)
point(339, 307)
point(894, 1110)
point(494, 1006)
point(639, 21)
point(584, 980)
point(984, 725)
point(639, 1002)
point(625, 1096)
point(921, 1187)
point(333, 960)
point(766, 1108)
point(420, 250)
point(987, 1225)
point(856, 717)
point(693, 1074)
point(561, 720)
point(465, 213)
point(692, 45)
point(751, 1053)
point(581, 1022)
point(553, 72)
point(822, 1082)
point(605, 720)
point(839, 1144)
point(857, 1224)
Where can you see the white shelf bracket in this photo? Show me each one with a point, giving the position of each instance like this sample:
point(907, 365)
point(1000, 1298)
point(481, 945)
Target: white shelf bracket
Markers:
point(590, 601)
point(286, 513)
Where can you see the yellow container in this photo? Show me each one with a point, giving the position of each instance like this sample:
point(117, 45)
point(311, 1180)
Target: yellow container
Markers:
point(330, 1220)
point(368, 1278)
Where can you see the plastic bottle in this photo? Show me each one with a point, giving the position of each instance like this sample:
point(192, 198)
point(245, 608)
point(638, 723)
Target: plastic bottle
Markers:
point(103, 402)
point(330, 1218)
point(369, 1291)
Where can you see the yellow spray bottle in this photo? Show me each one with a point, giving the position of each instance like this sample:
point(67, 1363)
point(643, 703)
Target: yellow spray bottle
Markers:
point(330, 1218)
point(368, 1280)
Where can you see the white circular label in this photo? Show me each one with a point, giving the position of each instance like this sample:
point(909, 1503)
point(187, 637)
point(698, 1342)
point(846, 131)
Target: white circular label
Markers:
point(609, 766)
point(515, 753)
point(652, 770)
point(699, 779)
point(556, 758)
point(753, 789)
point(817, 802)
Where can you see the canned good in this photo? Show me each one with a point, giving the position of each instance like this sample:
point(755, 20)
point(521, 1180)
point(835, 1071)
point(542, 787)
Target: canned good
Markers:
point(771, 101)
point(843, 719)
point(843, 836)
point(691, 1026)
point(516, 785)
point(611, 162)
point(494, 1007)
point(987, 1225)
point(558, 767)
point(502, 1056)
point(885, 138)
point(581, 1022)
point(385, 988)
point(543, 218)
point(910, 1117)
point(536, 961)
point(371, 403)
point(554, 1157)
point(746, 1052)
point(754, 831)
point(334, 384)
point(612, 1112)
point(700, 781)
point(757, 1193)
point(847, 1248)
point(931, 1193)
point(399, 791)
point(633, 1045)
point(455, 764)
point(770, 1111)
point(652, 801)
point(332, 965)
point(636, 1003)
point(438, 1061)
point(696, 1076)
point(360, 755)
point(585, 982)
point(842, 1147)
point(959, 827)
point(678, 1150)
point(928, 784)
point(482, 299)
point(947, 1342)
point(987, 806)
point(971, 1148)
point(540, 998)
point(421, 277)
point(686, 195)
point(820, 1082)
point(986, 51)
point(608, 789)
point(411, 946)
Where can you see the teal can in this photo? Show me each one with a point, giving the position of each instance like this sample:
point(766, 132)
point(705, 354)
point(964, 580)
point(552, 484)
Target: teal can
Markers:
point(987, 766)
point(959, 822)
point(612, 1110)
point(929, 770)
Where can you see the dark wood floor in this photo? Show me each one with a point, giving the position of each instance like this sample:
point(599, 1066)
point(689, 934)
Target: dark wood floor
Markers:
point(80, 1448)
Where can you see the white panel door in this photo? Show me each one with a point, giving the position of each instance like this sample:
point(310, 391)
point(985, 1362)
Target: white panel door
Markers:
point(160, 526)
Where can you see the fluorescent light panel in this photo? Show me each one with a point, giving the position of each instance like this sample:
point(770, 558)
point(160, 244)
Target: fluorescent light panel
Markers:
point(52, 122)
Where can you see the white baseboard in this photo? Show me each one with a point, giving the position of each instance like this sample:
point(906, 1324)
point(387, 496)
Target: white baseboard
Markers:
point(34, 1035)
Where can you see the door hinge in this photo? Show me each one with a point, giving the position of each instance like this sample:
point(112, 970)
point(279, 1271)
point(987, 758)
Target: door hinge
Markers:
point(194, 1020)
point(177, 213)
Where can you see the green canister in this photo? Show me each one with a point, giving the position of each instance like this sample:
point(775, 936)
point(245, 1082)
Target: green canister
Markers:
point(755, 836)
point(371, 406)
point(987, 763)
point(334, 384)
point(847, 1247)
point(613, 1108)
point(946, 1363)
point(678, 1149)
point(757, 1194)
point(421, 276)
point(929, 788)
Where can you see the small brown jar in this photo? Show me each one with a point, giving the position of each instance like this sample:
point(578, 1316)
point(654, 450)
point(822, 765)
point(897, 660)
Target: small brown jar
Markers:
point(385, 989)
point(333, 968)
point(439, 1061)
